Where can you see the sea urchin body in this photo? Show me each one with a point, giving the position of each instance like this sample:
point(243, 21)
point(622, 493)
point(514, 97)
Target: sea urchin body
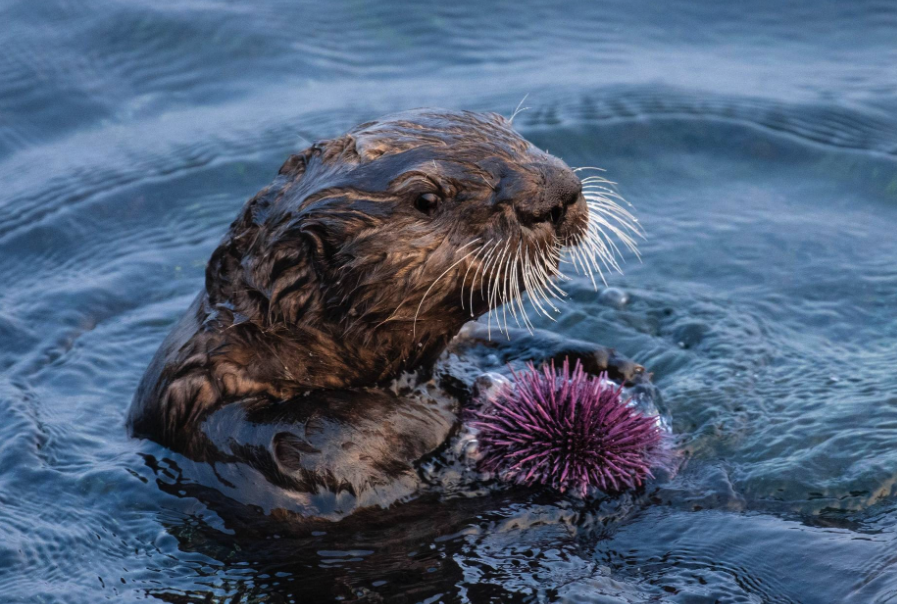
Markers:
point(568, 430)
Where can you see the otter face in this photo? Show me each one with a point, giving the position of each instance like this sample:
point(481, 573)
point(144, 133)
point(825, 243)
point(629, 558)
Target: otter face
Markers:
point(420, 221)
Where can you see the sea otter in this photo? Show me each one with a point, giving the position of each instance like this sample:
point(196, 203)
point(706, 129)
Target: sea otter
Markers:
point(360, 263)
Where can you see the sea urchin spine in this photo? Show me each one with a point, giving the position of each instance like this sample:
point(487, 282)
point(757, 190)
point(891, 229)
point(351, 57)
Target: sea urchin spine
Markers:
point(568, 430)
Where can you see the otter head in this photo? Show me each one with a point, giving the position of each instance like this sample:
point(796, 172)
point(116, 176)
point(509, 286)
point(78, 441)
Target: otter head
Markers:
point(387, 239)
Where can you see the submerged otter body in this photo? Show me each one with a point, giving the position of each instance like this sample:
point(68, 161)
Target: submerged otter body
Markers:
point(360, 262)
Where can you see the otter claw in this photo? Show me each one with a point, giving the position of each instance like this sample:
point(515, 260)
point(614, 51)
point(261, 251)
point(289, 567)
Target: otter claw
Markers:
point(618, 367)
point(622, 369)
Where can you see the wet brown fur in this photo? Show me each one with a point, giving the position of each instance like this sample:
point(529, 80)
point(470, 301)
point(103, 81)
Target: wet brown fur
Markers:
point(318, 281)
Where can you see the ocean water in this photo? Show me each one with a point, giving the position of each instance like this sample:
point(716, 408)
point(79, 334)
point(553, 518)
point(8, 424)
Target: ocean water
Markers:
point(757, 141)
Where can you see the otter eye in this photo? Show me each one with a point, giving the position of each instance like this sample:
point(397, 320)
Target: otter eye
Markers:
point(427, 203)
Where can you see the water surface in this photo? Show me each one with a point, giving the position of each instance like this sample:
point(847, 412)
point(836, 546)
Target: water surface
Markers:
point(758, 142)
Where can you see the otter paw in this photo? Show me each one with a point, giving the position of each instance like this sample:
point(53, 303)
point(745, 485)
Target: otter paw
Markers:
point(618, 367)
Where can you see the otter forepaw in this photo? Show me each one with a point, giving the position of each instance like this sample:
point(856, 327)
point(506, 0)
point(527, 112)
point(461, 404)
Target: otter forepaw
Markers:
point(618, 367)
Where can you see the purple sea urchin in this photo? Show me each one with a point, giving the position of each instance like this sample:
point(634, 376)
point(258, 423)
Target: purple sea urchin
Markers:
point(568, 430)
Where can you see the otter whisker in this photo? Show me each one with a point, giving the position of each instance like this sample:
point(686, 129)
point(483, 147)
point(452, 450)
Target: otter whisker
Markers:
point(535, 286)
point(553, 260)
point(490, 270)
point(549, 270)
point(545, 268)
point(503, 287)
point(600, 245)
point(509, 286)
point(475, 261)
point(604, 245)
point(547, 287)
point(530, 283)
point(487, 260)
point(596, 253)
point(596, 182)
point(490, 290)
point(517, 295)
point(605, 190)
point(586, 253)
point(473, 283)
point(599, 220)
point(509, 291)
point(578, 255)
point(496, 295)
point(626, 226)
point(549, 290)
point(582, 259)
point(555, 255)
point(606, 205)
point(444, 273)
point(519, 109)
point(597, 178)
point(595, 193)
point(518, 269)
point(624, 232)
point(500, 278)
point(514, 288)
point(464, 278)
point(470, 265)
point(572, 255)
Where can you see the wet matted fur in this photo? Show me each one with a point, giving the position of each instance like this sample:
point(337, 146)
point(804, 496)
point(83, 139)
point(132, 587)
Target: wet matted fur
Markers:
point(366, 256)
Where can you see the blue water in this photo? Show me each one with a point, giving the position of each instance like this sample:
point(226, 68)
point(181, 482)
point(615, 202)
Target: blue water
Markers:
point(758, 142)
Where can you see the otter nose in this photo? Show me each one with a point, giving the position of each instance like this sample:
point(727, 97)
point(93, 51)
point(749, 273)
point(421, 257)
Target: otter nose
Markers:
point(561, 190)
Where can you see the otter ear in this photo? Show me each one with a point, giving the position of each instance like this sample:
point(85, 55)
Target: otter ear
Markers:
point(295, 164)
point(369, 146)
point(342, 148)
